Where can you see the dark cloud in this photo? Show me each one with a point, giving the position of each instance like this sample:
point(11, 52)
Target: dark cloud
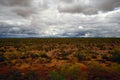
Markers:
point(14, 30)
point(15, 2)
point(24, 12)
point(22, 8)
point(88, 6)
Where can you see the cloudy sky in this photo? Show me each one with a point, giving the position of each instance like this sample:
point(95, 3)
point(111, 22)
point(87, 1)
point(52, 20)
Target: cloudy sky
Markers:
point(59, 18)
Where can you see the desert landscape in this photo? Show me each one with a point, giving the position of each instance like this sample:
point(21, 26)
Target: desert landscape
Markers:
point(60, 59)
point(59, 39)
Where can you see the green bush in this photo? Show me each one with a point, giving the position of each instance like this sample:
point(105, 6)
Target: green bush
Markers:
point(54, 75)
point(73, 72)
point(98, 72)
point(80, 56)
point(115, 56)
point(31, 75)
point(115, 69)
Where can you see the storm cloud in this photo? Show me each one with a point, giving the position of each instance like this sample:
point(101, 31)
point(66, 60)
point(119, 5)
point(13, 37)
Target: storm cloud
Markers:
point(88, 6)
point(59, 18)
point(19, 7)
point(15, 2)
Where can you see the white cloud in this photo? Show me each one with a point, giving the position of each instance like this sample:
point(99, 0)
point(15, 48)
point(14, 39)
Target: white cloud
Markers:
point(49, 18)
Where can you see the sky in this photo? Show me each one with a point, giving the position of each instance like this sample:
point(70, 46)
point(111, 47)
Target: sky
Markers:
point(59, 18)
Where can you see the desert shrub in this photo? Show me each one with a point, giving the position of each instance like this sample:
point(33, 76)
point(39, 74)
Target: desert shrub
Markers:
point(63, 54)
point(31, 75)
point(115, 56)
point(80, 56)
point(46, 49)
point(94, 56)
point(16, 55)
point(101, 46)
point(11, 56)
point(2, 58)
point(73, 72)
point(64, 58)
point(2, 77)
point(14, 75)
point(98, 72)
point(41, 79)
point(1, 54)
point(91, 52)
point(2, 49)
point(44, 60)
point(23, 56)
point(115, 69)
point(54, 75)
point(43, 55)
point(34, 55)
point(104, 56)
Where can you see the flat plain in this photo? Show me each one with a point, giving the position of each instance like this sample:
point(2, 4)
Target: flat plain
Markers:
point(60, 59)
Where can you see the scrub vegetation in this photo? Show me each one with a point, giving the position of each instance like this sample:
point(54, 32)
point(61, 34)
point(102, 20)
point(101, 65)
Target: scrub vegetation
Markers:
point(60, 59)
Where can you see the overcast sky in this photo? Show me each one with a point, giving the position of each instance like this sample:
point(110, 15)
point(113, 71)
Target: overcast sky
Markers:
point(59, 18)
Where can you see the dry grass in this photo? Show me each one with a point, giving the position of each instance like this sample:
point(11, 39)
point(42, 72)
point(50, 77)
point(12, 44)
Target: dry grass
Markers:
point(60, 59)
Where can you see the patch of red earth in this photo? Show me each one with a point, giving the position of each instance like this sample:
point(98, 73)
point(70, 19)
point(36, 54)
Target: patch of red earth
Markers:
point(4, 70)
